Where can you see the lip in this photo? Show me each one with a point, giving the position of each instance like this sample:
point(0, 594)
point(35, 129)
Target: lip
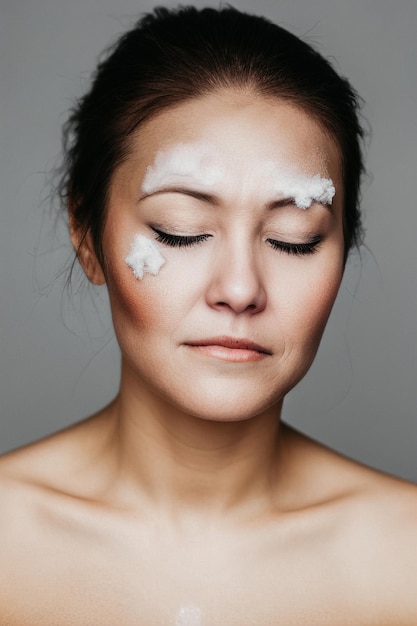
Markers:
point(233, 349)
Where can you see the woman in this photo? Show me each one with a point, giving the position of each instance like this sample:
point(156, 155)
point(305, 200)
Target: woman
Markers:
point(212, 176)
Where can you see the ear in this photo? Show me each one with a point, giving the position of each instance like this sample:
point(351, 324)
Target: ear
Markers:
point(84, 249)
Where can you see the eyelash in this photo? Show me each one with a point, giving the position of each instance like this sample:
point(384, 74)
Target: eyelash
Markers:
point(179, 241)
point(186, 241)
point(297, 249)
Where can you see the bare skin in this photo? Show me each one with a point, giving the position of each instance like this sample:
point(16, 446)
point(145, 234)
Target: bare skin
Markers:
point(332, 542)
point(186, 502)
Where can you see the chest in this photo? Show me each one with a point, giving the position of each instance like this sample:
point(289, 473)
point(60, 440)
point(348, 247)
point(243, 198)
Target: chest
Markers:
point(94, 581)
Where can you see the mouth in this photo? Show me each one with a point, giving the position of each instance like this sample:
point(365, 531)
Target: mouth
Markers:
point(232, 349)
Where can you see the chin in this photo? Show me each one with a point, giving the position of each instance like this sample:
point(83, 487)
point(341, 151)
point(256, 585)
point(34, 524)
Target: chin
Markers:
point(229, 404)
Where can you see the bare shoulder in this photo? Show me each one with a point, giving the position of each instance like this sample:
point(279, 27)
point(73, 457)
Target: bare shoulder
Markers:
point(63, 467)
point(30, 475)
point(45, 488)
point(375, 522)
point(20, 497)
point(341, 477)
point(382, 538)
point(56, 461)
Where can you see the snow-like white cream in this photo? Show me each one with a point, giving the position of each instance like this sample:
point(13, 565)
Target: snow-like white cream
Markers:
point(188, 616)
point(205, 166)
point(183, 161)
point(144, 256)
point(303, 190)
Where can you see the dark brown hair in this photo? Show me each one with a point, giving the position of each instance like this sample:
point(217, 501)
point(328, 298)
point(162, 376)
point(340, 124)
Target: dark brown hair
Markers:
point(172, 56)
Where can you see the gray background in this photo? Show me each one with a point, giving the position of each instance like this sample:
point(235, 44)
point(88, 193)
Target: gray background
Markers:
point(59, 361)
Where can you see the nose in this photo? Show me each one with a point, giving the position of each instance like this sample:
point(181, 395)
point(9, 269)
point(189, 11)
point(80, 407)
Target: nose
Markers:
point(236, 281)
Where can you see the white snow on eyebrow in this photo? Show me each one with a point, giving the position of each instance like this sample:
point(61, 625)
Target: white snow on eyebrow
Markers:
point(182, 161)
point(144, 256)
point(314, 189)
point(204, 165)
point(304, 190)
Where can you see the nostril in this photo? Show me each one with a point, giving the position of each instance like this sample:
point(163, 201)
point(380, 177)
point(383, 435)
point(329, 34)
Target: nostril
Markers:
point(237, 290)
point(236, 307)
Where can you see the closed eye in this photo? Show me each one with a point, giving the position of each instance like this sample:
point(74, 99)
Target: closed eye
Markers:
point(186, 241)
point(298, 249)
point(179, 241)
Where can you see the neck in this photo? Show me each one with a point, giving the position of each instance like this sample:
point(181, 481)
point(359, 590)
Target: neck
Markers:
point(187, 465)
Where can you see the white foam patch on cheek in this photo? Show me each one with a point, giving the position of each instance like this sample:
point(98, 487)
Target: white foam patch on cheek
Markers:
point(182, 161)
point(144, 257)
point(189, 616)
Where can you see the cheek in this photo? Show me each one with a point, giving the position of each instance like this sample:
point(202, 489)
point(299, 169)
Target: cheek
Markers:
point(320, 305)
point(310, 298)
point(149, 308)
point(134, 306)
point(130, 296)
point(317, 311)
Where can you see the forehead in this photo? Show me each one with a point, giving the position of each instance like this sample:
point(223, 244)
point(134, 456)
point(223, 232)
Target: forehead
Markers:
point(239, 132)
point(232, 119)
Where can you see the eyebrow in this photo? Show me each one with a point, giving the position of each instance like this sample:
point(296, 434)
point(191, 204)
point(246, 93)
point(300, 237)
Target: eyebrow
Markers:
point(198, 195)
point(278, 204)
point(214, 200)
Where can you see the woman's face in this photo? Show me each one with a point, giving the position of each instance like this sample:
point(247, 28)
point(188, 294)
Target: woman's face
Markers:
point(214, 184)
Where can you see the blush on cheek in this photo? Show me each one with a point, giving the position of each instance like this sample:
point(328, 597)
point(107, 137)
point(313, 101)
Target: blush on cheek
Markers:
point(130, 306)
point(144, 257)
